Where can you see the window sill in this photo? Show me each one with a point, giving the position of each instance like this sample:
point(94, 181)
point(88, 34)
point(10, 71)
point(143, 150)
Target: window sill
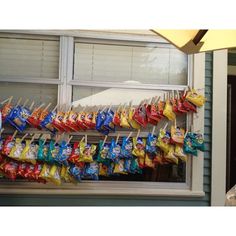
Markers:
point(102, 189)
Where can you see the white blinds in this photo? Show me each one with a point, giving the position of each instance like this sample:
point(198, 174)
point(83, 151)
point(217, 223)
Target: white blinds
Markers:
point(120, 63)
point(28, 58)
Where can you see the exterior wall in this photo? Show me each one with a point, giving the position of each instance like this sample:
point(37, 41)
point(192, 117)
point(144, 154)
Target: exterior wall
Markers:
point(137, 201)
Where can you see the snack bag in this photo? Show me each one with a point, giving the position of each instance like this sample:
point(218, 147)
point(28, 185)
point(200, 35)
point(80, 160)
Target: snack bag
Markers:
point(29, 172)
point(131, 121)
point(168, 111)
point(114, 151)
point(195, 98)
point(103, 152)
point(47, 122)
point(198, 141)
point(110, 168)
point(90, 120)
point(152, 115)
point(151, 146)
point(134, 167)
point(72, 121)
point(120, 167)
point(21, 169)
point(52, 152)
point(139, 150)
point(33, 119)
point(16, 149)
point(65, 175)
point(45, 172)
point(124, 119)
point(64, 153)
point(116, 118)
point(103, 169)
point(29, 152)
point(76, 172)
point(160, 109)
point(127, 148)
point(81, 120)
point(8, 144)
point(108, 120)
point(188, 145)
point(177, 134)
point(6, 111)
point(159, 158)
point(54, 174)
point(75, 154)
point(149, 161)
point(188, 105)
point(101, 116)
point(87, 152)
point(64, 125)
point(181, 107)
point(163, 141)
point(127, 165)
point(57, 121)
point(179, 152)
point(42, 150)
point(91, 170)
point(37, 170)
point(170, 156)
point(140, 116)
point(10, 169)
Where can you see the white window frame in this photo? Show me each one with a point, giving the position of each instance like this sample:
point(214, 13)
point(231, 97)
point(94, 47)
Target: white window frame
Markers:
point(196, 75)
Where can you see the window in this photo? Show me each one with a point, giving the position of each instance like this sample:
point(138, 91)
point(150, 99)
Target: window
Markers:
point(92, 71)
point(115, 72)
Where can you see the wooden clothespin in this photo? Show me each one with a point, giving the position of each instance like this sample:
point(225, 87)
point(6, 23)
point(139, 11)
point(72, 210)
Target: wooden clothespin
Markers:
point(138, 134)
point(186, 132)
point(54, 109)
point(82, 140)
point(22, 139)
point(46, 108)
point(86, 139)
point(25, 103)
point(153, 130)
point(14, 134)
point(109, 107)
point(129, 136)
point(175, 123)
point(104, 140)
point(31, 106)
point(1, 131)
point(165, 126)
point(69, 139)
point(19, 101)
point(6, 100)
point(117, 137)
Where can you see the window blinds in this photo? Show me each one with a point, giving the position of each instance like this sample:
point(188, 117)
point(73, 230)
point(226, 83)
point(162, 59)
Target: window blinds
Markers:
point(29, 58)
point(120, 63)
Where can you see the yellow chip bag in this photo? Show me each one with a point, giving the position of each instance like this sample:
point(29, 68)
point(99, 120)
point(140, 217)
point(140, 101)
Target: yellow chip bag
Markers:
point(124, 119)
point(168, 111)
point(54, 174)
point(195, 98)
point(149, 161)
point(120, 167)
point(87, 152)
point(44, 174)
point(103, 169)
point(29, 152)
point(170, 156)
point(163, 141)
point(180, 153)
point(177, 134)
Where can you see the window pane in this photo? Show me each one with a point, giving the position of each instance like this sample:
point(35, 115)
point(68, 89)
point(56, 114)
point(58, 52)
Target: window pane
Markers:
point(38, 92)
point(90, 96)
point(160, 64)
point(25, 58)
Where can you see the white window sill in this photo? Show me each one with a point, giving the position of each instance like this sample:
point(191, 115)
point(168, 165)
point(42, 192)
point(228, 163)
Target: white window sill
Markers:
point(99, 188)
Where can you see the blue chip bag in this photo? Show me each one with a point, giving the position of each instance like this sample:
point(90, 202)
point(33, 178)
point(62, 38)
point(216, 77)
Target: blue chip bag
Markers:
point(151, 145)
point(103, 152)
point(134, 167)
point(64, 153)
point(47, 122)
point(100, 119)
point(18, 117)
point(108, 124)
point(76, 171)
point(198, 141)
point(114, 153)
point(91, 170)
point(126, 148)
point(127, 165)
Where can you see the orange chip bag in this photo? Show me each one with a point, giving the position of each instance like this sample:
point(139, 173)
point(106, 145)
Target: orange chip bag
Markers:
point(177, 134)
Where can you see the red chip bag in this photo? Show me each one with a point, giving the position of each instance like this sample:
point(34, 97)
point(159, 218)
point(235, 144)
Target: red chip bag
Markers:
point(90, 120)
point(21, 169)
point(140, 115)
point(160, 109)
point(6, 111)
point(74, 157)
point(152, 115)
point(57, 122)
point(8, 145)
point(71, 121)
point(10, 170)
point(80, 120)
point(33, 119)
point(29, 171)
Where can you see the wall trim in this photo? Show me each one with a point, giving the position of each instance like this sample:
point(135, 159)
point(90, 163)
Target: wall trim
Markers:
point(219, 128)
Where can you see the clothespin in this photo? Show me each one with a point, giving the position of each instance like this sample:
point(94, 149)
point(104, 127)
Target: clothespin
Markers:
point(82, 139)
point(153, 130)
point(175, 123)
point(110, 107)
point(1, 131)
point(86, 139)
point(129, 135)
point(19, 101)
point(14, 134)
point(138, 134)
point(104, 109)
point(165, 126)
point(24, 137)
point(31, 106)
point(54, 109)
point(6, 100)
point(117, 138)
point(25, 103)
point(186, 132)
point(46, 108)
point(9, 101)
point(32, 139)
point(104, 140)
point(69, 139)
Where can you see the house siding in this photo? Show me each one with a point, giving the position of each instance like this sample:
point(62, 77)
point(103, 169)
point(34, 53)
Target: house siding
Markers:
point(67, 200)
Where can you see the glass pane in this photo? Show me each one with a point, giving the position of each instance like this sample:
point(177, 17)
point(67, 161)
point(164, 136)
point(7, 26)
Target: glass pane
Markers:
point(39, 93)
point(25, 58)
point(160, 64)
point(89, 96)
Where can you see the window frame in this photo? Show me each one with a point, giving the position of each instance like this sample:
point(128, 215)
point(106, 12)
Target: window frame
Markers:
point(192, 187)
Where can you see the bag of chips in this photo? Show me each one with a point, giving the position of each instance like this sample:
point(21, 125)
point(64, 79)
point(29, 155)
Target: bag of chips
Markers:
point(45, 172)
point(139, 150)
point(72, 121)
point(103, 152)
point(168, 111)
point(120, 167)
point(91, 171)
point(103, 168)
point(108, 124)
point(33, 118)
point(75, 154)
point(21, 169)
point(134, 167)
point(177, 135)
point(170, 156)
point(47, 122)
point(195, 98)
point(10, 170)
point(81, 120)
point(90, 120)
point(124, 119)
point(57, 121)
point(188, 145)
point(131, 121)
point(140, 116)
point(8, 144)
point(76, 171)
point(198, 142)
point(179, 152)
point(87, 152)
point(29, 152)
point(127, 148)
point(64, 153)
point(53, 150)
point(116, 118)
point(17, 149)
point(6, 109)
point(54, 174)
point(163, 141)
point(42, 150)
point(160, 109)
point(101, 116)
point(152, 115)
point(114, 151)
point(151, 145)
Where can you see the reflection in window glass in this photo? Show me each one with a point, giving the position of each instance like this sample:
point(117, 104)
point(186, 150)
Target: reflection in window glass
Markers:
point(160, 64)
